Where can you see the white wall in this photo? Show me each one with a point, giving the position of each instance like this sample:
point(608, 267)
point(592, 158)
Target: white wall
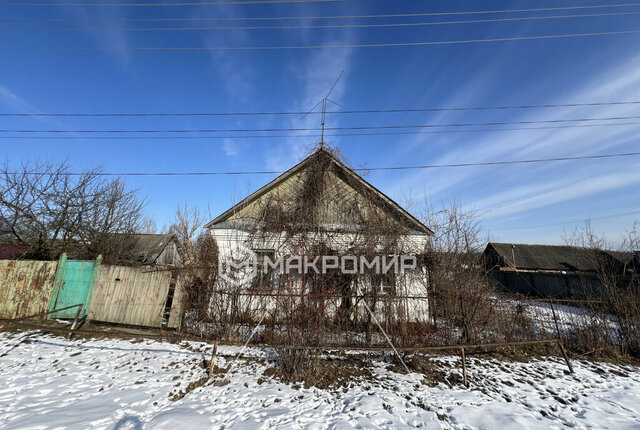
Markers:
point(409, 284)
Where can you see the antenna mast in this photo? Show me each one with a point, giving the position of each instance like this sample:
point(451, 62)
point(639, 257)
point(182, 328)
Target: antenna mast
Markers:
point(324, 108)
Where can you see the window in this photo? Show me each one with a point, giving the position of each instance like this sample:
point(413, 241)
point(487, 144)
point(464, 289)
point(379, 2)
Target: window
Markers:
point(264, 275)
point(384, 283)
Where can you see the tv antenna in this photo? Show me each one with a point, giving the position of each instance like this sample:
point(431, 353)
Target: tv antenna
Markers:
point(323, 102)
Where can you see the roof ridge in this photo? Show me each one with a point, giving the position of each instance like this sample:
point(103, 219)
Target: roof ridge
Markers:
point(283, 176)
point(554, 246)
point(152, 234)
point(534, 244)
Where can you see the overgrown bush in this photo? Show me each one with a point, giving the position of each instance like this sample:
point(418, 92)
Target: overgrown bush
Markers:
point(615, 307)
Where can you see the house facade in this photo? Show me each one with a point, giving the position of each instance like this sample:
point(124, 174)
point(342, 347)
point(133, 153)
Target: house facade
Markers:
point(320, 227)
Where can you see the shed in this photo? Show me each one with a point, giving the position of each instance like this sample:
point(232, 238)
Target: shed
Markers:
point(158, 250)
point(558, 271)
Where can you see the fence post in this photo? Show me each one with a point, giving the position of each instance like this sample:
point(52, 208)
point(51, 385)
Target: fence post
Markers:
point(94, 278)
point(75, 320)
point(57, 282)
point(566, 357)
point(464, 369)
point(555, 319)
point(213, 359)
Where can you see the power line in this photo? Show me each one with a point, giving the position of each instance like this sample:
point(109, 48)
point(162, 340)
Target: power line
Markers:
point(499, 163)
point(365, 127)
point(426, 166)
point(298, 113)
point(300, 47)
point(568, 222)
point(155, 138)
point(197, 3)
point(271, 18)
point(321, 26)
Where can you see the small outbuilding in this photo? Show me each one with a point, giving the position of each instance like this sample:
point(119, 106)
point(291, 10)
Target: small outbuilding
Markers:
point(158, 250)
point(552, 270)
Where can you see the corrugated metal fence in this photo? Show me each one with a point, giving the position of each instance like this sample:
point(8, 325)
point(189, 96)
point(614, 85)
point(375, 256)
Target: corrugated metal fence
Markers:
point(25, 287)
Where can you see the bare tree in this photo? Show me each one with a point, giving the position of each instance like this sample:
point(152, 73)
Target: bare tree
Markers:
point(149, 226)
point(617, 287)
point(461, 294)
point(186, 226)
point(204, 273)
point(52, 210)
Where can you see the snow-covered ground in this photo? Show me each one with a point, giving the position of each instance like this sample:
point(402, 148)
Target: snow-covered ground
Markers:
point(49, 382)
point(570, 319)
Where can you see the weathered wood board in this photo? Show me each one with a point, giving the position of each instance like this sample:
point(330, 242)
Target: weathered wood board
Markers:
point(130, 295)
point(179, 302)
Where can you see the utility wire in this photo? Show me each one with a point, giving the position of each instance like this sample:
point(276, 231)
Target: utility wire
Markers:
point(397, 15)
point(298, 113)
point(498, 163)
point(568, 222)
point(272, 136)
point(372, 127)
point(321, 26)
point(197, 3)
point(369, 169)
point(300, 47)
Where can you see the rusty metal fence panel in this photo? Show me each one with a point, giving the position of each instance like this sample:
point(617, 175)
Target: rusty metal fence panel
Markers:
point(25, 287)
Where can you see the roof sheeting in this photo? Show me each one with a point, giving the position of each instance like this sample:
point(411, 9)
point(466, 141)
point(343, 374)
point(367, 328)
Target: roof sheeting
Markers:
point(148, 247)
point(551, 257)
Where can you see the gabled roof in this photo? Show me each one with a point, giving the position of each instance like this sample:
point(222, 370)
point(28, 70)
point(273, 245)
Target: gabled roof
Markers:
point(390, 206)
point(551, 257)
point(148, 247)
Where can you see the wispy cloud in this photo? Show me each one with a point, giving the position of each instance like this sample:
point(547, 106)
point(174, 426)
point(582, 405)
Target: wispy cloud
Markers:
point(234, 70)
point(612, 84)
point(548, 193)
point(12, 100)
point(315, 76)
point(16, 103)
point(230, 148)
point(113, 38)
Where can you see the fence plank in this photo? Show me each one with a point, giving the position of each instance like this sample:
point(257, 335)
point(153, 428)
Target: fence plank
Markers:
point(129, 295)
point(179, 299)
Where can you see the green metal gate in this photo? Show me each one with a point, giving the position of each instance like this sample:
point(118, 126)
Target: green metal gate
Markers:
point(73, 286)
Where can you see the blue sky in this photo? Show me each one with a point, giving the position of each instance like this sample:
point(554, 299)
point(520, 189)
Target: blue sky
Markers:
point(533, 203)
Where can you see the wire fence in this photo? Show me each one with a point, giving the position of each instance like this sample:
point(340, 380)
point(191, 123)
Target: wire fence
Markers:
point(405, 322)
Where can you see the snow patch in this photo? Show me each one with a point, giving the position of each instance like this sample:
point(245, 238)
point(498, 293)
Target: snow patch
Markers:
point(51, 382)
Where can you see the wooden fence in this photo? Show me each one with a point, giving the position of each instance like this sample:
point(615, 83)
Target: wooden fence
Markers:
point(25, 287)
point(137, 296)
